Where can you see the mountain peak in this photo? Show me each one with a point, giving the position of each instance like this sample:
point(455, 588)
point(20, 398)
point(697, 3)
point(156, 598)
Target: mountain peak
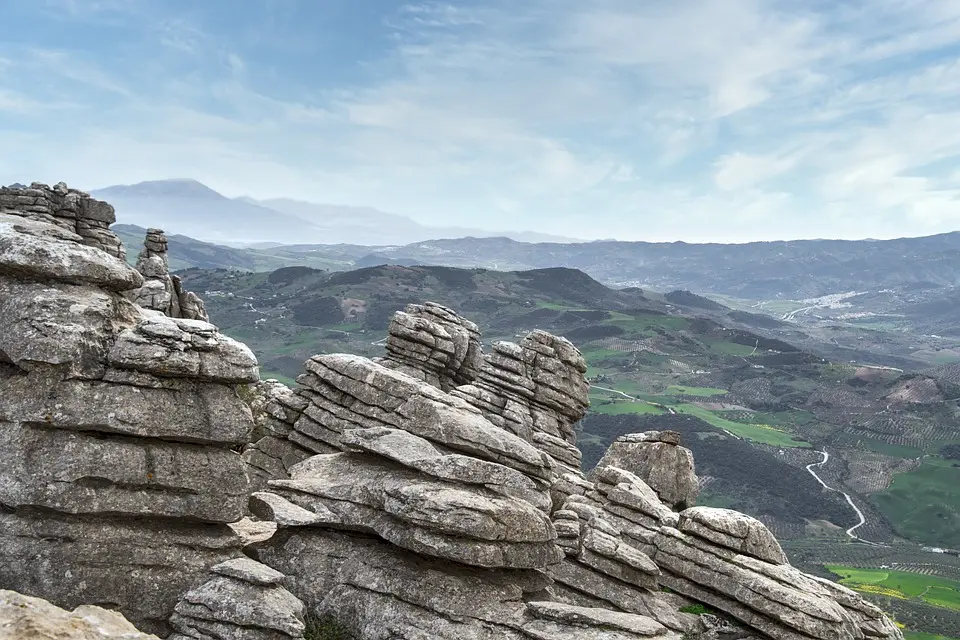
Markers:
point(172, 188)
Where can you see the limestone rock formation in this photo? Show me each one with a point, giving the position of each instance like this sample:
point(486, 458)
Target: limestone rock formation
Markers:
point(117, 423)
point(435, 493)
point(657, 459)
point(443, 510)
point(68, 209)
point(26, 618)
point(434, 344)
point(162, 291)
point(244, 600)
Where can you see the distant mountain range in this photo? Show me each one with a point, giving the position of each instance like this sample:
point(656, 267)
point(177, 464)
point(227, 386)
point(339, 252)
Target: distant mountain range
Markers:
point(189, 208)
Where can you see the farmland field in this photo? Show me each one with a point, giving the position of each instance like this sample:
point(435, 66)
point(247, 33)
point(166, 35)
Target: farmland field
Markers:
point(923, 503)
point(939, 592)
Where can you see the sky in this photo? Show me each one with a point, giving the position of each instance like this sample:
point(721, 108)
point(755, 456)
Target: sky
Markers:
point(695, 120)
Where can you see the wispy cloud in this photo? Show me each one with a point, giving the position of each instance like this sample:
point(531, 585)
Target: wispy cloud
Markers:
point(695, 119)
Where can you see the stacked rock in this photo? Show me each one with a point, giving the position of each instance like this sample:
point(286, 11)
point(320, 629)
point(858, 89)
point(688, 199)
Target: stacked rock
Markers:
point(162, 291)
point(244, 599)
point(431, 522)
point(69, 209)
point(536, 390)
point(606, 535)
point(117, 429)
point(716, 556)
point(432, 343)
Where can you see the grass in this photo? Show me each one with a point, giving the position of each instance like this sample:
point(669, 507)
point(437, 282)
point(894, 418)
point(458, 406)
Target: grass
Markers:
point(893, 450)
point(627, 406)
point(704, 392)
point(936, 591)
point(925, 503)
point(731, 349)
point(761, 433)
point(696, 608)
point(920, 635)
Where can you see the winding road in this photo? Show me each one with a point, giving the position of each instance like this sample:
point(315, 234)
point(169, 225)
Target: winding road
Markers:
point(863, 519)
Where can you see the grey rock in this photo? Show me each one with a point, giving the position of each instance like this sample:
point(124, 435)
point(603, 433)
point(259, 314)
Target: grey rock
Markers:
point(162, 291)
point(656, 458)
point(24, 617)
point(181, 348)
point(60, 324)
point(40, 256)
point(186, 412)
point(733, 530)
point(472, 525)
point(140, 567)
point(229, 602)
point(75, 472)
point(249, 571)
point(590, 617)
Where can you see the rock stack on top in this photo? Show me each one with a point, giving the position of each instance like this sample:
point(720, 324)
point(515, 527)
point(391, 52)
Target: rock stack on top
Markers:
point(429, 521)
point(117, 424)
point(432, 343)
point(162, 291)
point(68, 209)
point(243, 599)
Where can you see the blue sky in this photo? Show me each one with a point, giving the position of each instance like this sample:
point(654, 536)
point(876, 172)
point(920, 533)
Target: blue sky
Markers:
point(701, 120)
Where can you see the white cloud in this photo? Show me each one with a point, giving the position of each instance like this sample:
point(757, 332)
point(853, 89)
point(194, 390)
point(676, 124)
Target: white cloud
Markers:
point(722, 120)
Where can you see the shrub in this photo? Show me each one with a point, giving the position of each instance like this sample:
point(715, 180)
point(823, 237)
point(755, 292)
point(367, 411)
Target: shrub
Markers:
point(696, 608)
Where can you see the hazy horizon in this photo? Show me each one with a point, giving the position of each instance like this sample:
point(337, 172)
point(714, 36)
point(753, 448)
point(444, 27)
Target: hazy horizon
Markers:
point(701, 121)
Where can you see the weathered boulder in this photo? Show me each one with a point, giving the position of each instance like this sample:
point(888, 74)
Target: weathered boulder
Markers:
point(27, 618)
point(657, 458)
point(433, 343)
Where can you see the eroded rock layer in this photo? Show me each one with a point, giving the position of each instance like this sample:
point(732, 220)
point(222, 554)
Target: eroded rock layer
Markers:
point(117, 423)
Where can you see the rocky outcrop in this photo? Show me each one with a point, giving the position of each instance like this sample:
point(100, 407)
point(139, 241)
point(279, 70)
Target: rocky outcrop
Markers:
point(26, 618)
point(428, 521)
point(68, 209)
point(118, 424)
point(434, 493)
point(657, 458)
point(244, 600)
point(437, 510)
point(162, 291)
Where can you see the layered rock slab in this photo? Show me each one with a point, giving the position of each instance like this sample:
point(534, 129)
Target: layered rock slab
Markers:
point(117, 423)
point(243, 600)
